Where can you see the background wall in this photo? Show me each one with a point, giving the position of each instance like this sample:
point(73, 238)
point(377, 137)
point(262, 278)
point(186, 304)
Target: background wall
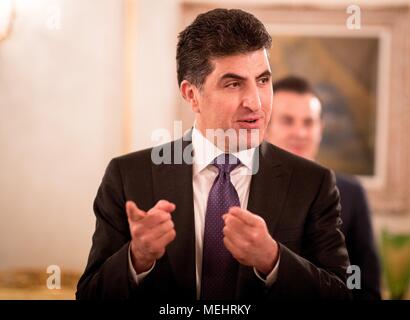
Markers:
point(62, 98)
point(60, 123)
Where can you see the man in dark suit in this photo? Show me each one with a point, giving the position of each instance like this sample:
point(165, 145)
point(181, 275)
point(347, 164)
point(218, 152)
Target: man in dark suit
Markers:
point(296, 126)
point(219, 213)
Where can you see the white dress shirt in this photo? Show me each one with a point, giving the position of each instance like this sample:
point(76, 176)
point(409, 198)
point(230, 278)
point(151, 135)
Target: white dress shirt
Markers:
point(203, 176)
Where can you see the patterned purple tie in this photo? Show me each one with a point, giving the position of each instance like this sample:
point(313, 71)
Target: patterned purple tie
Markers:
point(219, 267)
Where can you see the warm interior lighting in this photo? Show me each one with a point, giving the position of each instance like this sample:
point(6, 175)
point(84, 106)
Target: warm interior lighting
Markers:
point(6, 17)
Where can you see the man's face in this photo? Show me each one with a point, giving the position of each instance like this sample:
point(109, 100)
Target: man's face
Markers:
point(296, 124)
point(236, 95)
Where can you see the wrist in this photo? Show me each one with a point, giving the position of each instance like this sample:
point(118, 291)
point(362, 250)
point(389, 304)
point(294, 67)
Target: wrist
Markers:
point(272, 258)
point(140, 263)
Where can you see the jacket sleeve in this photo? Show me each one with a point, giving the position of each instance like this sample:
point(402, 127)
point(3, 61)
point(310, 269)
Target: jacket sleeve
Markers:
point(362, 250)
point(106, 275)
point(319, 271)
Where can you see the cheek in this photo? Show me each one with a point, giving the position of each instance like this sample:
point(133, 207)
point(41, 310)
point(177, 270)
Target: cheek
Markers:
point(223, 110)
point(220, 117)
point(280, 133)
point(317, 135)
point(283, 130)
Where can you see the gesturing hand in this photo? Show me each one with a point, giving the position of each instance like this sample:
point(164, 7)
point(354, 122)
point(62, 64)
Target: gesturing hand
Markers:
point(151, 232)
point(247, 237)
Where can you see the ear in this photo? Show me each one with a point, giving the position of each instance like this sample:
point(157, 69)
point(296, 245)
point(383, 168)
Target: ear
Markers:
point(190, 93)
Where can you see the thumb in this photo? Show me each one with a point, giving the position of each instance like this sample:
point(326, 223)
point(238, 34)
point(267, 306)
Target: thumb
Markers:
point(133, 212)
point(165, 205)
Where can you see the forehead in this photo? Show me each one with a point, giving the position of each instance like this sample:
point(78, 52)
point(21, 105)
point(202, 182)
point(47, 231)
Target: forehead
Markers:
point(247, 64)
point(297, 105)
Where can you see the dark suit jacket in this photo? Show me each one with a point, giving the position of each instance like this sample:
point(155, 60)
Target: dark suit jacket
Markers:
point(297, 198)
point(358, 231)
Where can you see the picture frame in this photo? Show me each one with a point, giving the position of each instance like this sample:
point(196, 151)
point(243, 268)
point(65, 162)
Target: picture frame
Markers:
point(346, 70)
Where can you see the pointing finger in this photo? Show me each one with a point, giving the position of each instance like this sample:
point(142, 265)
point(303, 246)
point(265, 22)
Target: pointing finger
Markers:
point(133, 212)
point(244, 215)
point(165, 205)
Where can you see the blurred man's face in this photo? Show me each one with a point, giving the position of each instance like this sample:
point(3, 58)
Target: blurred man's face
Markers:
point(236, 95)
point(295, 124)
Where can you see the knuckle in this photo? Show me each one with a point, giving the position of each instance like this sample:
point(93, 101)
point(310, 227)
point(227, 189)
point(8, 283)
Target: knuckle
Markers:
point(253, 236)
point(155, 220)
point(159, 218)
point(165, 227)
point(159, 254)
point(155, 248)
point(259, 221)
point(171, 224)
point(154, 213)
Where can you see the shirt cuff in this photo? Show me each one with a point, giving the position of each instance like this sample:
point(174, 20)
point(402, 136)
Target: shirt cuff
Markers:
point(272, 276)
point(137, 277)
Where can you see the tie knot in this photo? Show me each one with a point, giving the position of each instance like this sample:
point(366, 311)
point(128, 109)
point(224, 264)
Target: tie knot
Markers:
point(226, 162)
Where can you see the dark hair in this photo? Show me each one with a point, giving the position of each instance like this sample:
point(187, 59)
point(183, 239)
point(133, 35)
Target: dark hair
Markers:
point(217, 33)
point(295, 84)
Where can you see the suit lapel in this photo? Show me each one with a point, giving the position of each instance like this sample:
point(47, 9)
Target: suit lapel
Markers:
point(266, 198)
point(173, 182)
point(268, 186)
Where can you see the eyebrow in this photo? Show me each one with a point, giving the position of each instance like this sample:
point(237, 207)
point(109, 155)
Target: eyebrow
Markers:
point(264, 74)
point(238, 77)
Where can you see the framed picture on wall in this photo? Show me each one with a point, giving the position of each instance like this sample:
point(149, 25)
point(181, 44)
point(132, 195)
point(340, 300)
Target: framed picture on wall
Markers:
point(345, 70)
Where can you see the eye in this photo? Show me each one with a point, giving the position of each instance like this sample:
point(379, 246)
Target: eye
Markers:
point(234, 84)
point(308, 123)
point(288, 121)
point(264, 80)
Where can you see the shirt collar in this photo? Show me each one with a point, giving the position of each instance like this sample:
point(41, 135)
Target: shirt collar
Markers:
point(205, 152)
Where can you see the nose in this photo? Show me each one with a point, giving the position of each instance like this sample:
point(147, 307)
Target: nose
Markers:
point(251, 98)
point(300, 132)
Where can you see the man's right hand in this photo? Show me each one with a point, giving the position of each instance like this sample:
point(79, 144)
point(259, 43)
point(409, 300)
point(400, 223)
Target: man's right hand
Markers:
point(151, 232)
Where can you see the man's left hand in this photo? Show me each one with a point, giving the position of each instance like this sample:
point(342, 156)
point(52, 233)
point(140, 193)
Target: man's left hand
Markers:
point(247, 237)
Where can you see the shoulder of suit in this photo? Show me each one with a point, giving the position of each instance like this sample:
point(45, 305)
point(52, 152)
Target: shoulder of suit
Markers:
point(348, 182)
point(291, 160)
point(132, 156)
point(145, 155)
point(277, 154)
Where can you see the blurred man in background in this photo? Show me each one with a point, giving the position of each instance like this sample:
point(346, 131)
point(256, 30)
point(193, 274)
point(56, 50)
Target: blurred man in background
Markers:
point(296, 125)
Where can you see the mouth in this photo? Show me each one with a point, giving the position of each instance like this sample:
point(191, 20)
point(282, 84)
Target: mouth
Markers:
point(298, 149)
point(250, 123)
